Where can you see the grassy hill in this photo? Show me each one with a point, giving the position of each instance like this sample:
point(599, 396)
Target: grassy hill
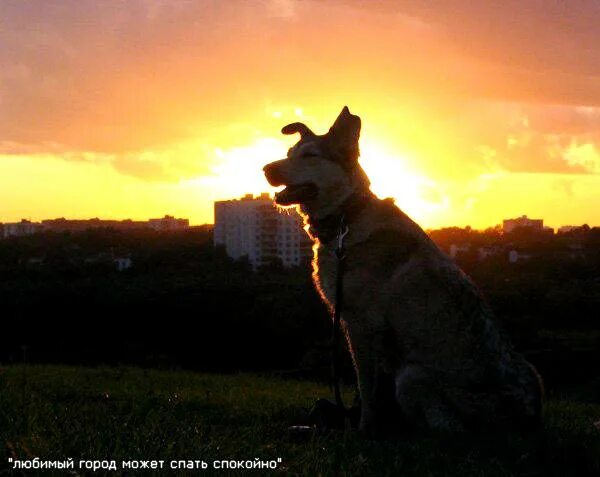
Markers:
point(56, 412)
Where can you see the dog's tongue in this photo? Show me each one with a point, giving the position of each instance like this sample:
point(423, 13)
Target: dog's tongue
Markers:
point(295, 194)
point(287, 196)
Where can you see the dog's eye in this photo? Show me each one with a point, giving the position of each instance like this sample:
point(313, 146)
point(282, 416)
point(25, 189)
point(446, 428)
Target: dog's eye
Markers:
point(310, 154)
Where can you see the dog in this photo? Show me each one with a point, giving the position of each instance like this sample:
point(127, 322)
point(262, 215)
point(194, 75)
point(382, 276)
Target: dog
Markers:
point(411, 316)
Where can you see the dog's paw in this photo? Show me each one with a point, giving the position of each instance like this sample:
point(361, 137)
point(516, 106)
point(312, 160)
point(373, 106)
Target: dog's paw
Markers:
point(325, 415)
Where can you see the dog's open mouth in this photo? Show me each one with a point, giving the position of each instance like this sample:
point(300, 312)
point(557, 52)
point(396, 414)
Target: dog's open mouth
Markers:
point(296, 194)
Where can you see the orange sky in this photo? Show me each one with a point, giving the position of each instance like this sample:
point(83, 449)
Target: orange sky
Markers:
point(472, 111)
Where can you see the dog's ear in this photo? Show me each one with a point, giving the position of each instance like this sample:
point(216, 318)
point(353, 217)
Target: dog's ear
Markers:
point(346, 126)
point(344, 134)
point(301, 128)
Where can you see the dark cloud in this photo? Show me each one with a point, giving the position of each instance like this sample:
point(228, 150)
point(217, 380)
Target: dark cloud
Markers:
point(114, 76)
point(131, 77)
point(560, 119)
point(530, 34)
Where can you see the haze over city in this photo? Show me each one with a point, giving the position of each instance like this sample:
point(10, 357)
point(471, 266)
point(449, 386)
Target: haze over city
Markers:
point(471, 112)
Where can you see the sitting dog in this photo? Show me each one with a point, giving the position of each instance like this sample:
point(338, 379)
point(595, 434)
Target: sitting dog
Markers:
point(409, 312)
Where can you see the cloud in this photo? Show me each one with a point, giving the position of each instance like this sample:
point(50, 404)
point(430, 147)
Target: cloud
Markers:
point(561, 119)
point(527, 35)
point(541, 138)
point(586, 156)
point(175, 163)
point(282, 8)
point(138, 80)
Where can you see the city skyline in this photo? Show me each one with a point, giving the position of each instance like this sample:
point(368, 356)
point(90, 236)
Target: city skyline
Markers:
point(194, 224)
point(523, 219)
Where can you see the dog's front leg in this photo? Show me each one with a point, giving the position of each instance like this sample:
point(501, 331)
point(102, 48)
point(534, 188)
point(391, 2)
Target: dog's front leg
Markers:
point(362, 341)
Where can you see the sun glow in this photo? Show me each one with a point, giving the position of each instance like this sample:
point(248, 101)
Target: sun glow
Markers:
point(391, 175)
point(238, 171)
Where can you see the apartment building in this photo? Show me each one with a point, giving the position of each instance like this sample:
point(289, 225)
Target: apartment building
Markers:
point(254, 227)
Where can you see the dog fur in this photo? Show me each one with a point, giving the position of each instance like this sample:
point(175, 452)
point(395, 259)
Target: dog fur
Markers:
point(409, 311)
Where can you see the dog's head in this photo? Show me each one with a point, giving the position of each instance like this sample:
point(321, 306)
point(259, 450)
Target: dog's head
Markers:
point(320, 172)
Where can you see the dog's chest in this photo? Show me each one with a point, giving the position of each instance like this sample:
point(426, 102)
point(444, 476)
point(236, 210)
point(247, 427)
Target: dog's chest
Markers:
point(325, 272)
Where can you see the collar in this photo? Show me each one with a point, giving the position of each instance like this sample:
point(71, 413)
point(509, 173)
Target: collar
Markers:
point(327, 228)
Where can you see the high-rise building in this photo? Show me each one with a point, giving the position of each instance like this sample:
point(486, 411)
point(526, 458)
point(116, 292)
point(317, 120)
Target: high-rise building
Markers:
point(508, 225)
point(80, 225)
point(168, 222)
point(568, 228)
point(254, 227)
point(19, 229)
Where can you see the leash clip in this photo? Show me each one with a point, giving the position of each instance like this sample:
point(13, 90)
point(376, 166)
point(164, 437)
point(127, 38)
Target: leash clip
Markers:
point(343, 231)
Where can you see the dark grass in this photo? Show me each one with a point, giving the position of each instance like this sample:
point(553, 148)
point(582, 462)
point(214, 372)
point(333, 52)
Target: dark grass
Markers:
point(56, 412)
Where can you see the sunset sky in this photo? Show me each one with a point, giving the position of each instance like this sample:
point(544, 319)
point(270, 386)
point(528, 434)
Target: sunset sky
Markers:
point(472, 111)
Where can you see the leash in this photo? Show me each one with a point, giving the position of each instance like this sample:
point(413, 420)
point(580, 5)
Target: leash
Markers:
point(340, 254)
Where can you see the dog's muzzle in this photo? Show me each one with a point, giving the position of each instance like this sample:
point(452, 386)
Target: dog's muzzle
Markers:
point(273, 173)
point(292, 193)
